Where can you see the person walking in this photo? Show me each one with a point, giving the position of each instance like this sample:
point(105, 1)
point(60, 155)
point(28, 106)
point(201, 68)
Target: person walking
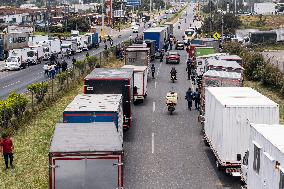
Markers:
point(153, 70)
point(188, 68)
point(53, 71)
point(197, 99)
point(64, 66)
point(6, 146)
point(189, 98)
point(45, 68)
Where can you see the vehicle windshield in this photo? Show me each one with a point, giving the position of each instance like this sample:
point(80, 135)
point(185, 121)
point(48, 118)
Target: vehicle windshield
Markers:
point(46, 49)
point(65, 46)
point(188, 32)
point(12, 59)
point(173, 53)
point(31, 53)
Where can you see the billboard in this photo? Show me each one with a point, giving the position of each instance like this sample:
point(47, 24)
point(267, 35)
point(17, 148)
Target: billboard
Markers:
point(133, 3)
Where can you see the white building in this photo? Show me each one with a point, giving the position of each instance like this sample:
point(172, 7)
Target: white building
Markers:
point(16, 18)
point(264, 8)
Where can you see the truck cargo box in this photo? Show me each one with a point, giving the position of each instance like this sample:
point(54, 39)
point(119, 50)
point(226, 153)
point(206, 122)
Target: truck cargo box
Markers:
point(266, 157)
point(140, 81)
point(223, 65)
point(156, 35)
point(113, 81)
point(87, 108)
point(229, 112)
point(137, 56)
point(85, 155)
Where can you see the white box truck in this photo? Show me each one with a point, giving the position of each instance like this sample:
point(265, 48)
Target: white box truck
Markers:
point(17, 59)
point(69, 47)
point(140, 82)
point(265, 158)
point(229, 112)
point(35, 54)
point(50, 47)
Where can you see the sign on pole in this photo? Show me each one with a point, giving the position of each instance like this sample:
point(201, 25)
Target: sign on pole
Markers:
point(216, 35)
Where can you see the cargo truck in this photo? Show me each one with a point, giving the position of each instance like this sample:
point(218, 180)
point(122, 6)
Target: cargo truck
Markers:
point(17, 59)
point(229, 112)
point(213, 64)
point(151, 44)
point(69, 47)
point(87, 108)
point(140, 82)
point(113, 81)
point(35, 54)
point(10, 41)
point(85, 155)
point(263, 162)
point(157, 35)
point(261, 37)
point(171, 27)
point(137, 56)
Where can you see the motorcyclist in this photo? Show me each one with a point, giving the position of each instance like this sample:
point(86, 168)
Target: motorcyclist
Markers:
point(174, 73)
point(153, 70)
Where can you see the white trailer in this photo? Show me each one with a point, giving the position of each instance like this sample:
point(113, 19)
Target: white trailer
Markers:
point(265, 8)
point(37, 39)
point(17, 59)
point(140, 82)
point(229, 111)
point(266, 157)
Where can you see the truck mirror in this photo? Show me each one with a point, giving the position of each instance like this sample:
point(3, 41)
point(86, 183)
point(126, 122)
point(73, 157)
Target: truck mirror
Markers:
point(239, 157)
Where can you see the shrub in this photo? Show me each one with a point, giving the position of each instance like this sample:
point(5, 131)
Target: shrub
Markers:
point(39, 90)
point(80, 65)
point(6, 113)
point(91, 61)
point(18, 104)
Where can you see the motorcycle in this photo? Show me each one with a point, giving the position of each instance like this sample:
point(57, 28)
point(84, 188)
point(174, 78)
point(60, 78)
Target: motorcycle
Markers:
point(171, 101)
point(173, 78)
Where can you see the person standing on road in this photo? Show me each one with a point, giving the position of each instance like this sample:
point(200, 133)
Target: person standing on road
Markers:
point(53, 71)
point(188, 68)
point(45, 68)
point(153, 69)
point(189, 98)
point(197, 99)
point(6, 146)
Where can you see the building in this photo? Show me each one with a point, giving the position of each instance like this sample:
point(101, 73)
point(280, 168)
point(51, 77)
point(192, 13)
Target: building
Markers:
point(264, 8)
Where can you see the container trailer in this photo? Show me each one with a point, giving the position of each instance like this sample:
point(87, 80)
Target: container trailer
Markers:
point(137, 56)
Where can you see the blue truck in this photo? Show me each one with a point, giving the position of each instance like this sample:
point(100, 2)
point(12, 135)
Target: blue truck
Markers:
point(156, 34)
point(88, 108)
point(95, 39)
point(2, 54)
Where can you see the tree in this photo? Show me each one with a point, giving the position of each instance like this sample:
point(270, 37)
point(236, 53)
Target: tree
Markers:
point(206, 8)
point(78, 23)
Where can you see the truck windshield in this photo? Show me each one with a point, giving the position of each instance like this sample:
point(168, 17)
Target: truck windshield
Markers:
point(31, 53)
point(188, 32)
point(46, 49)
point(12, 59)
point(65, 46)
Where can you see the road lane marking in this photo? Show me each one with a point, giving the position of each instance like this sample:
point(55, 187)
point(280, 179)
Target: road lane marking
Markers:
point(153, 143)
point(154, 106)
point(155, 84)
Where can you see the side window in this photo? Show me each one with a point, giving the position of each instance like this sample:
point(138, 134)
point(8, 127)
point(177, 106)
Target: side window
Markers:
point(256, 159)
point(281, 182)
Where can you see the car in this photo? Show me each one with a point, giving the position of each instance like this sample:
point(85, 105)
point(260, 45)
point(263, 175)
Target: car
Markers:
point(165, 17)
point(172, 57)
point(179, 45)
point(135, 29)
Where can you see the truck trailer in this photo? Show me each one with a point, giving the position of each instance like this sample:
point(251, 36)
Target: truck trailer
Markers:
point(139, 56)
point(87, 108)
point(229, 112)
point(85, 155)
point(113, 81)
point(157, 35)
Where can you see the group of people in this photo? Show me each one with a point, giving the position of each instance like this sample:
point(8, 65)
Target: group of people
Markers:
point(53, 68)
point(193, 96)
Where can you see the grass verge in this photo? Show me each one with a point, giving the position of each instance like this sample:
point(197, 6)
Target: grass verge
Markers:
point(32, 143)
point(271, 93)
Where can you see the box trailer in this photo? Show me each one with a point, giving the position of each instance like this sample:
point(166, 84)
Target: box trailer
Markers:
point(171, 27)
point(113, 81)
point(223, 65)
point(265, 157)
point(137, 56)
point(232, 57)
point(87, 108)
point(213, 78)
point(85, 155)
point(229, 111)
point(157, 35)
point(140, 82)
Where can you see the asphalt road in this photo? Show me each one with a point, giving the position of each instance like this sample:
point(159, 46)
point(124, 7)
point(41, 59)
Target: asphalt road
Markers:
point(19, 80)
point(167, 151)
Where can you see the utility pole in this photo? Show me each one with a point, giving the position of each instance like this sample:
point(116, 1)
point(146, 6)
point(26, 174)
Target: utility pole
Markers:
point(120, 14)
point(150, 6)
point(210, 25)
point(235, 7)
point(103, 20)
point(222, 26)
point(47, 15)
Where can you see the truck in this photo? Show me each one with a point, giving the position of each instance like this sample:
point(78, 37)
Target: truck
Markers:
point(95, 40)
point(262, 164)
point(261, 37)
point(15, 40)
point(140, 82)
point(88, 155)
point(213, 78)
point(157, 35)
point(37, 39)
point(113, 81)
point(232, 57)
point(215, 64)
point(229, 112)
point(171, 27)
point(69, 47)
point(17, 59)
point(50, 47)
point(151, 44)
point(137, 56)
point(35, 54)
point(87, 108)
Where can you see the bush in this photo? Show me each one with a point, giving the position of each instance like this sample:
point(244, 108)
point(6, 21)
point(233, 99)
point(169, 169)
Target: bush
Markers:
point(18, 104)
point(80, 65)
point(39, 90)
point(91, 61)
point(6, 113)
point(62, 77)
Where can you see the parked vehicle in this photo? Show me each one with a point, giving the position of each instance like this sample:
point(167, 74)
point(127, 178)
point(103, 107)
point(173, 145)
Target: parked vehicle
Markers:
point(17, 59)
point(95, 40)
point(179, 45)
point(35, 54)
point(37, 39)
point(213, 64)
point(261, 37)
point(157, 35)
point(85, 154)
point(135, 29)
point(235, 58)
point(113, 81)
point(172, 57)
point(201, 51)
point(69, 47)
point(262, 164)
point(171, 27)
point(139, 56)
point(140, 82)
point(229, 111)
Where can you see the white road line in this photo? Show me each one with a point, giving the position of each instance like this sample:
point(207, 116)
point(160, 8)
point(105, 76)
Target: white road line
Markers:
point(153, 143)
point(155, 84)
point(154, 106)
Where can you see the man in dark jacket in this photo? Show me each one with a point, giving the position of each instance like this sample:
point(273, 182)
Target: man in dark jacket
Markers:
point(6, 146)
point(197, 99)
point(188, 68)
point(64, 66)
point(189, 98)
point(153, 70)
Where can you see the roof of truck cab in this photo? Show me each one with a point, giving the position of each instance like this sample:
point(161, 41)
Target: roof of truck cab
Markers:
point(138, 48)
point(273, 133)
point(85, 137)
point(223, 63)
point(240, 96)
point(223, 74)
point(156, 30)
point(95, 102)
point(110, 73)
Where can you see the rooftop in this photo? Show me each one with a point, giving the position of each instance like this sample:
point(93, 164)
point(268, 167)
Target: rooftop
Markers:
point(109, 73)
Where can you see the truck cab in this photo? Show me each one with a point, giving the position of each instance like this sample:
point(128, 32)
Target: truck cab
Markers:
point(35, 54)
point(17, 59)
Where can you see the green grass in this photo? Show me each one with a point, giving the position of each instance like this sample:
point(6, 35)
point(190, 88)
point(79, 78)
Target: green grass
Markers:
point(271, 93)
point(31, 144)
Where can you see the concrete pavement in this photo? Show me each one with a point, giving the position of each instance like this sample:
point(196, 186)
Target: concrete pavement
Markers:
point(167, 151)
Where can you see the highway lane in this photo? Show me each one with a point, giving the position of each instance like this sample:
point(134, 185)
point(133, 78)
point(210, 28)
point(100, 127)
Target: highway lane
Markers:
point(167, 151)
point(19, 80)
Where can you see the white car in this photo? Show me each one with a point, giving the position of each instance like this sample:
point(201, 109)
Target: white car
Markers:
point(135, 29)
